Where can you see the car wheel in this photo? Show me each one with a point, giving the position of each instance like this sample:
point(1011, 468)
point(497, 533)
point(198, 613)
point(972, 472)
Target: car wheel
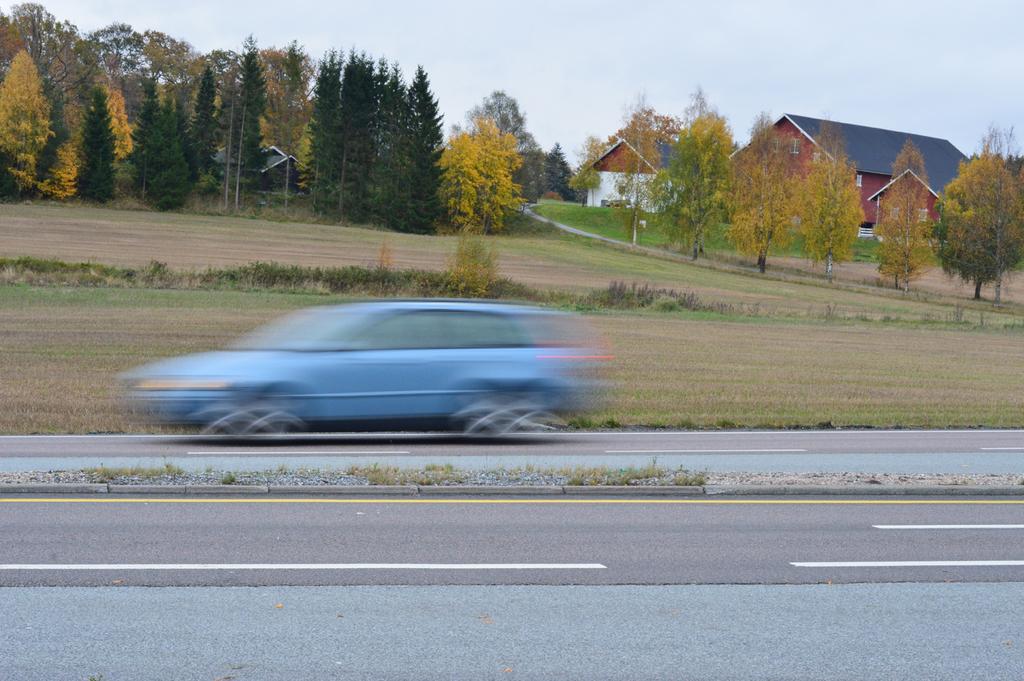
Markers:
point(497, 414)
point(264, 417)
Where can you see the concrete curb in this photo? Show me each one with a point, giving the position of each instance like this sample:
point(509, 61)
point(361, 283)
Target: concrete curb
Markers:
point(632, 490)
point(225, 489)
point(488, 490)
point(514, 491)
point(345, 490)
point(53, 488)
point(865, 490)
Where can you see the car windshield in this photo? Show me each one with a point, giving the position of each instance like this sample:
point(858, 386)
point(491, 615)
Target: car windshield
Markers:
point(323, 329)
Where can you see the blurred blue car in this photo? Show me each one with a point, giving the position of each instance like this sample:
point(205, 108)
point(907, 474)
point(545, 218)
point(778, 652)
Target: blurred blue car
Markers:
point(477, 367)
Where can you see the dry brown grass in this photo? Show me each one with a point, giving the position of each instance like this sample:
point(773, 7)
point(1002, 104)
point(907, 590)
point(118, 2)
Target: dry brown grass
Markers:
point(134, 238)
point(62, 349)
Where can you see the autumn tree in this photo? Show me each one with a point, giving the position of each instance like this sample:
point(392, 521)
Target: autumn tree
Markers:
point(981, 231)
point(426, 141)
point(24, 121)
point(96, 177)
point(476, 186)
point(644, 131)
point(119, 125)
point(763, 198)
point(586, 177)
point(904, 226)
point(830, 211)
point(504, 110)
point(691, 193)
point(62, 180)
point(289, 74)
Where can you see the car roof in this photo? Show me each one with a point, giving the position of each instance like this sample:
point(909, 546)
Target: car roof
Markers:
point(371, 307)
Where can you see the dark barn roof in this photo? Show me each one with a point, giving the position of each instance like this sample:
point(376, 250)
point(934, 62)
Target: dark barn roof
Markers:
point(873, 150)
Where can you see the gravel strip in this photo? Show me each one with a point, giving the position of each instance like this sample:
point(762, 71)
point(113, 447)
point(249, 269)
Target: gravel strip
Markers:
point(500, 478)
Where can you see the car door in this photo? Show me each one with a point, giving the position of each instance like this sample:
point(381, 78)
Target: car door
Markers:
point(391, 370)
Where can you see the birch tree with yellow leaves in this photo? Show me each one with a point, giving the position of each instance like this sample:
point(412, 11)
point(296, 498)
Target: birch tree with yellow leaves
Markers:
point(831, 213)
point(763, 194)
point(476, 182)
point(904, 225)
point(24, 121)
point(119, 125)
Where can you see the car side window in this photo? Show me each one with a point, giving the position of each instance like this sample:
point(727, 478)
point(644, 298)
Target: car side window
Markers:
point(438, 329)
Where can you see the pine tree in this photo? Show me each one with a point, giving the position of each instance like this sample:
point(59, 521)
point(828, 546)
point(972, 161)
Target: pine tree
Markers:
point(204, 124)
point(24, 121)
point(169, 184)
point(425, 145)
point(557, 172)
point(49, 157)
point(253, 101)
point(390, 183)
point(140, 157)
point(325, 139)
point(96, 177)
point(185, 141)
point(359, 88)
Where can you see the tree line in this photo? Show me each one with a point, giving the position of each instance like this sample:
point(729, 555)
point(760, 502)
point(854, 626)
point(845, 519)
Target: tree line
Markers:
point(122, 113)
point(767, 197)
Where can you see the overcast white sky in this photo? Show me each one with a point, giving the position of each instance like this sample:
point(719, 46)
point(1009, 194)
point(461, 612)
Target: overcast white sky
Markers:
point(940, 68)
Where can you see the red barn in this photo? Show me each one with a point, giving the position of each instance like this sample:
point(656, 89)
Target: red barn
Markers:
point(872, 152)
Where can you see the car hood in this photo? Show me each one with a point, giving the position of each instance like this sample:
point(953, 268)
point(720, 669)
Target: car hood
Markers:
point(226, 364)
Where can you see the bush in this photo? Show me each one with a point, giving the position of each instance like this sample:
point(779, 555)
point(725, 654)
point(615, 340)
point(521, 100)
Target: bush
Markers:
point(473, 268)
point(552, 196)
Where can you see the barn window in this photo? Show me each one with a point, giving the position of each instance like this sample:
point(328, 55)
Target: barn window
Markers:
point(894, 212)
point(922, 215)
point(816, 157)
point(860, 180)
point(794, 147)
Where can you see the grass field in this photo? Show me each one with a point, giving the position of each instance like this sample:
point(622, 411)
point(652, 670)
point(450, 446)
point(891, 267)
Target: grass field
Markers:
point(608, 222)
point(783, 351)
point(538, 258)
point(64, 347)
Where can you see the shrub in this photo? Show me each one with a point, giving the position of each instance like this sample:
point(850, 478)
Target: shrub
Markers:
point(473, 268)
point(552, 196)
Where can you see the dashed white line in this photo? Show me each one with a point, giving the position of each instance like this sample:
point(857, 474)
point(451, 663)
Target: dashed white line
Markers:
point(302, 566)
point(913, 563)
point(703, 451)
point(948, 527)
point(295, 452)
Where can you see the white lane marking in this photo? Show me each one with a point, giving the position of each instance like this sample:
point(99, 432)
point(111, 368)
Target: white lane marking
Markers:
point(1002, 449)
point(303, 566)
point(948, 527)
point(912, 563)
point(660, 433)
point(293, 452)
point(700, 451)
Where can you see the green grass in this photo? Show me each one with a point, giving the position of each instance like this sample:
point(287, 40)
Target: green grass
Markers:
point(609, 222)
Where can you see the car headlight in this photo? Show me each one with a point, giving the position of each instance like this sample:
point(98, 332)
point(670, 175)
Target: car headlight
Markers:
point(180, 384)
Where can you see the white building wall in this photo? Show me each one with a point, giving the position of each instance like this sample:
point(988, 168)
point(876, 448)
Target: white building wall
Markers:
point(607, 190)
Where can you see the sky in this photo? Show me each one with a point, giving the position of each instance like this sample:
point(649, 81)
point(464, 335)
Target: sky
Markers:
point(940, 68)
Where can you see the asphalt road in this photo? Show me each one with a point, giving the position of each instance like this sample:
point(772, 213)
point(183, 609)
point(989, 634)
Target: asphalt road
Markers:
point(879, 451)
point(505, 589)
point(275, 542)
point(926, 632)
